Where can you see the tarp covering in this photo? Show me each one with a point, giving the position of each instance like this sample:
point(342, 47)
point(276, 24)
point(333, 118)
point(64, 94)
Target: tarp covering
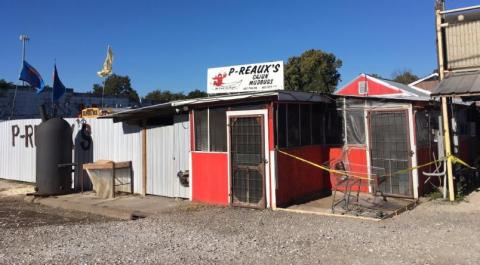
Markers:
point(465, 83)
point(355, 127)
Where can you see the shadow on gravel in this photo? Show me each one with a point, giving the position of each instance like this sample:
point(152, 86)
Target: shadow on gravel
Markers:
point(16, 213)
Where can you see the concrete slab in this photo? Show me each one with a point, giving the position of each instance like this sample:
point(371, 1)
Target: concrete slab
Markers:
point(367, 207)
point(125, 207)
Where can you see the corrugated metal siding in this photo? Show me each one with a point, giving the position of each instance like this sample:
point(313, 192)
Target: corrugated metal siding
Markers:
point(112, 141)
point(16, 162)
point(167, 153)
point(462, 45)
point(117, 142)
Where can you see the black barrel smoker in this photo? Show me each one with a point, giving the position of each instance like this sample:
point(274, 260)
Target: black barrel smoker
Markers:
point(53, 139)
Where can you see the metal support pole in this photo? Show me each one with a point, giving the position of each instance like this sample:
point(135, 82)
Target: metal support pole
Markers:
point(144, 160)
point(448, 149)
point(441, 75)
point(103, 92)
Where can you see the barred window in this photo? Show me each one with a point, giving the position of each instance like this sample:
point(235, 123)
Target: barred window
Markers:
point(201, 130)
point(305, 124)
point(293, 123)
point(318, 124)
point(218, 129)
point(211, 130)
point(301, 124)
point(282, 125)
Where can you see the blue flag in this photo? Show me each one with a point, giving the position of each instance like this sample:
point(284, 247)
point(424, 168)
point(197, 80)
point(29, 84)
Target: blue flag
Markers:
point(32, 77)
point(58, 87)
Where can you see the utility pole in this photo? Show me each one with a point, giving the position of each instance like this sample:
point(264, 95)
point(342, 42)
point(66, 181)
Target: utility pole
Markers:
point(439, 7)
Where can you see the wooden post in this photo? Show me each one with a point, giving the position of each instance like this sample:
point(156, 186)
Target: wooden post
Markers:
point(144, 160)
point(446, 127)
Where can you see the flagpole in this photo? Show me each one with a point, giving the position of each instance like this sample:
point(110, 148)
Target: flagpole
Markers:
point(105, 72)
point(23, 38)
point(54, 106)
point(103, 91)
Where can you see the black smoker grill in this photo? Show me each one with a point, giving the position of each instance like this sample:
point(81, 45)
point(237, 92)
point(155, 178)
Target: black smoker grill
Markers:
point(53, 139)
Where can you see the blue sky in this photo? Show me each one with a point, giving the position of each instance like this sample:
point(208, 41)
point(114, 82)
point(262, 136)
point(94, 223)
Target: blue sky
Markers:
point(170, 44)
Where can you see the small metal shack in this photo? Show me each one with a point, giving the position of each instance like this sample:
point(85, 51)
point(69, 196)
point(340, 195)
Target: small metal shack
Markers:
point(235, 141)
point(165, 147)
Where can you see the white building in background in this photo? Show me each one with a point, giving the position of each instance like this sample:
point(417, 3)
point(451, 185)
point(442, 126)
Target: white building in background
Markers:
point(24, 104)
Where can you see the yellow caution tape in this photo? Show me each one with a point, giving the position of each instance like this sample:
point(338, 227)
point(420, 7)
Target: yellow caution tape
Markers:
point(460, 161)
point(359, 176)
point(335, 171)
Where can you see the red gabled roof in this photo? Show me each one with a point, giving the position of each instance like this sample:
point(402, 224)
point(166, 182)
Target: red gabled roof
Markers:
point(376, 87)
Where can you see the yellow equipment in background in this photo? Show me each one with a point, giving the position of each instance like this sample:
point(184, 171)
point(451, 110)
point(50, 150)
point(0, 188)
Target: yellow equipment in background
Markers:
point(93, 112)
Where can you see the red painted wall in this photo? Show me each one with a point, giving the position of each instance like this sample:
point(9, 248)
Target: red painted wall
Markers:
point(210, 178)
point(466, 148)
point(297, 179)
point(374, 88)
point(357, 164)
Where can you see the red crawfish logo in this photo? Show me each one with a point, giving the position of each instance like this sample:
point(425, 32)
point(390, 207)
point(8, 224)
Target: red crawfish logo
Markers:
point(218, 79)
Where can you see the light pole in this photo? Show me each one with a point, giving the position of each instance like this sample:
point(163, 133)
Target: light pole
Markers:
point(23, 38)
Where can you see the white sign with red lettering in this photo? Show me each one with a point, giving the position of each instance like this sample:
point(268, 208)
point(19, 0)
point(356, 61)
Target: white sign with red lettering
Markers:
point(245, 78)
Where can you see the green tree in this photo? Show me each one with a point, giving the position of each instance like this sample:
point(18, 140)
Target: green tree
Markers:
point(405, 77)
point(162, 96)
point(6, 85)
point(159, 96)
point(117, 85)
point(314, 70)
point(376, 76)
point(196, 94)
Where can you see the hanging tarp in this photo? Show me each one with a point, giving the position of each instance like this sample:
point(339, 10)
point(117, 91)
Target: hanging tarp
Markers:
point(355, 122)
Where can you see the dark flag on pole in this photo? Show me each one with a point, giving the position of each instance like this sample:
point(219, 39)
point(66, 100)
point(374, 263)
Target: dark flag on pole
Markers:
point(32, 77)
point(58, 87)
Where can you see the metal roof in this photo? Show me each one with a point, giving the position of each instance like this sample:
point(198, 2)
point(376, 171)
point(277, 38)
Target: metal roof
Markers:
point(170, 108)
point(459, 84)
point(410, 89)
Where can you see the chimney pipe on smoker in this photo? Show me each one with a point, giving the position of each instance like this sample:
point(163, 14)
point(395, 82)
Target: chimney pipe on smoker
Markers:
point(43, 113)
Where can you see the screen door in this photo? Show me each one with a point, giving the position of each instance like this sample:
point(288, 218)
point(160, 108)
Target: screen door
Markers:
point(247, 160)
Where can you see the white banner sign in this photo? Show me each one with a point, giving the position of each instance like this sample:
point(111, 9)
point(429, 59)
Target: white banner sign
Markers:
point(245, 78)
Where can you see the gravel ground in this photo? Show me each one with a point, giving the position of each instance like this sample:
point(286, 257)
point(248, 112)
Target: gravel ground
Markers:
point(433, 233)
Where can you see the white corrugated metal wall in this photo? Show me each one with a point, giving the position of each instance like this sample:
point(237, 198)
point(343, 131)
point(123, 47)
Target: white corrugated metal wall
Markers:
point(462, 45)
point(167, 153)
point(111, 141)
point(17, 162)
point(117, 142)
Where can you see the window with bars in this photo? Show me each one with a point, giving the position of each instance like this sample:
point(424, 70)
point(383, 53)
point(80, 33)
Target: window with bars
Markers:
point(201, 130)
point(307, 124)
point(210, 130)
point(218, 129)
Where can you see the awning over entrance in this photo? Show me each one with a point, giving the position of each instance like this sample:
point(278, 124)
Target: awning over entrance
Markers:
point(459, 84)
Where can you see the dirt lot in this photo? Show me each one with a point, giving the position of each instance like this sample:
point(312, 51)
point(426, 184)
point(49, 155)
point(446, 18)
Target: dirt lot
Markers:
point(433, 233)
